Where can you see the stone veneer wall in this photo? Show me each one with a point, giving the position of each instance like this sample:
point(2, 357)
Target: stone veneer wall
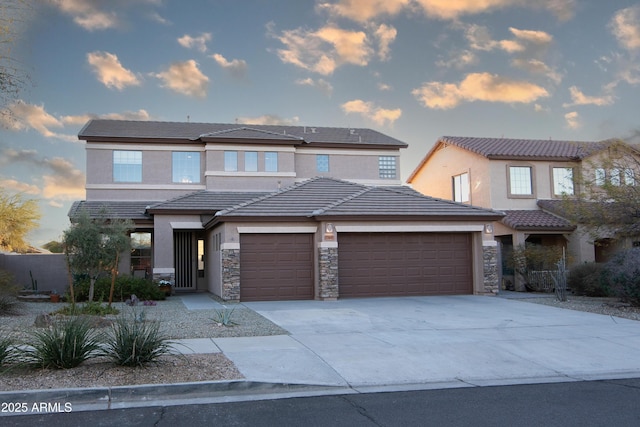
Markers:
point(328, 269)
point(230, 274)
point(490, 268)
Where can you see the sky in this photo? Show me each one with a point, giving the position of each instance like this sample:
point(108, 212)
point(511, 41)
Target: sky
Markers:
point(413, 69)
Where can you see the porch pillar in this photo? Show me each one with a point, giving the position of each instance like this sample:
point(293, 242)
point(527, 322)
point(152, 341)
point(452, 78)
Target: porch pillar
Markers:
point(230, 254)
point(328, 271)
point(490, 267)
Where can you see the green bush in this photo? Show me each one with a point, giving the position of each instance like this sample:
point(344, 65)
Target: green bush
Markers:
point(64, 345)
point(9, 305)
point(586, 279)
point(622, 275)
point(92, 308)
point(125, 286)
point(134, 341)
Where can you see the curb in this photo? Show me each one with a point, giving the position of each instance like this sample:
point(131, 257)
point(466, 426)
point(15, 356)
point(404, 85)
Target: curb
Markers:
point(105, 398)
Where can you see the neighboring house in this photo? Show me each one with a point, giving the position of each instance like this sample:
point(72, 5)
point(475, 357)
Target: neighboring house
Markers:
point(525, 179)
point(281, 212)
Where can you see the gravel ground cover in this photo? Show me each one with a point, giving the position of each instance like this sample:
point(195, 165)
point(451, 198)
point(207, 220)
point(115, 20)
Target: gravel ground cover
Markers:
point(178, 322)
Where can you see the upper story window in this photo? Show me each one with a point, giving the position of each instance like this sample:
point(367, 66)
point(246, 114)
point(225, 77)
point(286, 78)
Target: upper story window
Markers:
point(520, 181)
point(601, 177)
point(127, 166)
point(322, 163)
point(562, 181)
point(230, 161)
point(271, 161)
point(185, 166)
point(461, 187)
point(251, 161)
point(615, 176)
point(387, 167)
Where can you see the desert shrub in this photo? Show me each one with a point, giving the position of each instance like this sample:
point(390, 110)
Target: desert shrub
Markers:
point(64, 345)
point(125, 286)
point(7, 284)
point(91, 308)
point(9, 305)
point(7, 350)
point(134, 341)
point(622, 275)
point(586, 279)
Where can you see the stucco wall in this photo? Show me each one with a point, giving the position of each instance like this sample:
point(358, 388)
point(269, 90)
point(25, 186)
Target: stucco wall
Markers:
point(50, 270)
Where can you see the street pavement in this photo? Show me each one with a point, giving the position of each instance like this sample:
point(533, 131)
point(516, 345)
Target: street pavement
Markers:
point(392, 344)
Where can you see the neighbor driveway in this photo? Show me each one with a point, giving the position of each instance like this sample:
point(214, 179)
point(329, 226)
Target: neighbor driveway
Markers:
point(442, 341)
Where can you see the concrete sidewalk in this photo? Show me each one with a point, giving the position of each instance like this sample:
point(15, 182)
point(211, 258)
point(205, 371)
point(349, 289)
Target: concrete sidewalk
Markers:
point(361, 345)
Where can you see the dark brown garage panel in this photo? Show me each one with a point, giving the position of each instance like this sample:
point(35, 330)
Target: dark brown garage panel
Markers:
point(275, 267)
point(394, 264)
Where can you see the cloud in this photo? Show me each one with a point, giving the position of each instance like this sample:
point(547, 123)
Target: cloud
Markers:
point(535, 37)
point(87, 14)
point(579, 98)
point(478, 87)
point(323, 50)
point(536, 66)
point(459, 60)
point(573, 120)
point(61, 180)
point(320, 84)
point(110, 71)
point(80, 120)
point(383, 87)
point(156, 17)
point(368, 10)
point(386, 35)
point(370, 111)
point(21, 116)
point(237, 67)
point(364, 10)
point(480, 39)
point(625, 26)
point(267, 119)
point(199, 42)
point(185, 78)
point(19, 187)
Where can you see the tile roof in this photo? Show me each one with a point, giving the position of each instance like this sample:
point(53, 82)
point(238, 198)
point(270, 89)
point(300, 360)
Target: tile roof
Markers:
point(100, 129)
point(134, 210)
point(205, 201)
point(328, 197)
point(507, 148)
point(535, 220)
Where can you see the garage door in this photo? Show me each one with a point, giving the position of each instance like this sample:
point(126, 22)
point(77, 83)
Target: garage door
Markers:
point(394, 264)
point(276, 267)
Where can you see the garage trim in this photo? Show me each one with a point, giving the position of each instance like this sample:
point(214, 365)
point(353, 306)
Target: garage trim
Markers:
point(276, 230)
point(407, 228)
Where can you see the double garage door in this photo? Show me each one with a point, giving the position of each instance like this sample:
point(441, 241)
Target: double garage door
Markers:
point(281, 266)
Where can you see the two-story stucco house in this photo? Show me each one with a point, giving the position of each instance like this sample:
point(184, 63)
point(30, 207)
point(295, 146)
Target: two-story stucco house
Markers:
point(525, 179)
point(281, 212)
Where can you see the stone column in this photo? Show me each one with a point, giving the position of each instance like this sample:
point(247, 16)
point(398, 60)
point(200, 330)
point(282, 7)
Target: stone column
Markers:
point(328, 270)
point(230, 274)
point(490, 267)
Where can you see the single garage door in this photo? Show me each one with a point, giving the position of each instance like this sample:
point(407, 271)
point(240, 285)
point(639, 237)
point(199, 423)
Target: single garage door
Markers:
point(275, 267)
point(394, 264)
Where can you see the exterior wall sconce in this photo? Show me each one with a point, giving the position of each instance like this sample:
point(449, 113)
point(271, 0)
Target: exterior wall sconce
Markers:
point(488, 228)
point(328, 231)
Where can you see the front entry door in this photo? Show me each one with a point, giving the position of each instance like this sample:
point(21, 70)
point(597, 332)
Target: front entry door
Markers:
point(185, 259)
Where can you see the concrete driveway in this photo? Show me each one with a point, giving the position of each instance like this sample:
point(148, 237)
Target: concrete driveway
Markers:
point(434, 341)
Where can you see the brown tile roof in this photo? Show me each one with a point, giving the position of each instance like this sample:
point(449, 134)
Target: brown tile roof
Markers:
point(135, 131)
point(204, 201)
point(507, 148)
point(535, 220)
point(134, 210)
point(327, 197)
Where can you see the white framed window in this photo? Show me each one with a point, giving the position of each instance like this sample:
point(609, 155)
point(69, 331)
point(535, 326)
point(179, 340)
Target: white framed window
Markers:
point(127, 166)
point(461, 188)
point(562, 181)
point(185, 166)
point(322, 163)
point(387, 167)
point(629, 176)
point(270, 161)
point(251, 161)
point(230, 161)
point(520, 181)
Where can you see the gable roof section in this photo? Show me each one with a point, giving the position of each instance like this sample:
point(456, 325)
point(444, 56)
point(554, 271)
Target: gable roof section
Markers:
point(535, 220)
point(517, 149)
point(328, 197)
point(140, 131)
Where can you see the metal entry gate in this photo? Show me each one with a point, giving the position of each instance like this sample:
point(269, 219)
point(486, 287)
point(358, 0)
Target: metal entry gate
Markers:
point(184, 259)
